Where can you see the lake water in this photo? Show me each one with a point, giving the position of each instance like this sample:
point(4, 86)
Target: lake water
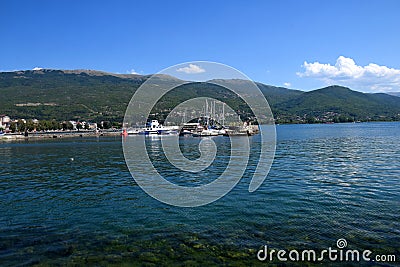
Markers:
point(73, 201)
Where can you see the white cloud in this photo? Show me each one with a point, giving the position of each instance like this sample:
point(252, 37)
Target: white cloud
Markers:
point(287, 84)
point(370, 78)
point(37, 68)
point(132, 71)
point(191, 69)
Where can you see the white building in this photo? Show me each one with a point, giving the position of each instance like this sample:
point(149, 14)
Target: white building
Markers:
point(92, 126)
point(4, 121)
point(74, 123)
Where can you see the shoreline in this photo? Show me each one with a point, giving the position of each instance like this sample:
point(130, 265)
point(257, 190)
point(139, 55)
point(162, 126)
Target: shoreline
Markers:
point(76, 134)
point(58, 134)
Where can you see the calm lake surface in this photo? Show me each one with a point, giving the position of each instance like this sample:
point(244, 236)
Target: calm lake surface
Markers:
point(327, 182)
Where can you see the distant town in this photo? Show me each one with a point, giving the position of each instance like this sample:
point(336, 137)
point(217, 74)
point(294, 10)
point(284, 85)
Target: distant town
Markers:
point(18, 128)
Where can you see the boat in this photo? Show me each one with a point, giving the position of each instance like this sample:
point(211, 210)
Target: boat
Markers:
point(245, 130)
point(133, 131)
point(240, 132)
point(153, 128)
point(209, 132)
point(189, 129)
point(169, 132)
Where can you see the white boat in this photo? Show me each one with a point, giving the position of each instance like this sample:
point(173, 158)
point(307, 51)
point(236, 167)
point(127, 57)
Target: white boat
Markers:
point(155, 128)
point(222, 131)
point(209, 132)
point(191, 129)
point(131, 131)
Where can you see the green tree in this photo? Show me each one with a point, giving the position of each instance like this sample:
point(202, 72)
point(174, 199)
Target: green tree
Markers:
point(13, 127)
point(117, 124)
point(106, 125)
point(30, 126)
point(64, 126)
point(54, 125)
point(343, 118)
point(21, 126)
point(311, 119)
point(41, 126)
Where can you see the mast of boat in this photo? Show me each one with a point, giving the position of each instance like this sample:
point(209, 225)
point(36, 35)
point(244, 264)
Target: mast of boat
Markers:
point(210, 112)
point(206, 113)
point(223, 114)
point(214, 115)
point(184, 116)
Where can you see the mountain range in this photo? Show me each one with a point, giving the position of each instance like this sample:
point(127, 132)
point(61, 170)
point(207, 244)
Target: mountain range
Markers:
point(96, 96)
point(394, 93)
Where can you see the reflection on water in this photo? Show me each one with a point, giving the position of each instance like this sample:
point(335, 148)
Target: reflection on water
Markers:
point(327, 182)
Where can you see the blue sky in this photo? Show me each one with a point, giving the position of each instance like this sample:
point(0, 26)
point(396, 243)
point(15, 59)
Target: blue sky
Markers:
point(301, 44)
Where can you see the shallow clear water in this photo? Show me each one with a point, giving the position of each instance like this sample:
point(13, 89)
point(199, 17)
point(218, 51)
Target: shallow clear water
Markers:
point(327, 182)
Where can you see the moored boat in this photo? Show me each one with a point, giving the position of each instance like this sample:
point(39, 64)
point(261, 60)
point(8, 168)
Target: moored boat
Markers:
point(154, 128)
